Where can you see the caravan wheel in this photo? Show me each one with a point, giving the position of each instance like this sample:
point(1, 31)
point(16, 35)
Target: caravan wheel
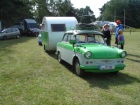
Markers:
point(5, 37)
point(45, 49)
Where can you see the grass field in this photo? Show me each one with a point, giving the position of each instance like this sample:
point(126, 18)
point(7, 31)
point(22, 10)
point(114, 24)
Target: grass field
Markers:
point(29, 76)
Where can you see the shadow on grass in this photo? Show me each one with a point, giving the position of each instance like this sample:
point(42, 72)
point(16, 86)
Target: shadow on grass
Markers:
point(138, 56)
point(133, 55)
point(10, 42)
point(105, 80)
point(133, 60)
point(102, 80)
point(52, 54)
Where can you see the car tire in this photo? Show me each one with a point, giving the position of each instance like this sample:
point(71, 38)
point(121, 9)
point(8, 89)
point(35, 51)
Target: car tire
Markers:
point(4, 37)
point(17, 36)
point(114, 73)
point(59, 57)
point(77, 69)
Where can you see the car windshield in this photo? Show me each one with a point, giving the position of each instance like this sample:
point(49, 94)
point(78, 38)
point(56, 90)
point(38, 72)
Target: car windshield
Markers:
point(83, 38)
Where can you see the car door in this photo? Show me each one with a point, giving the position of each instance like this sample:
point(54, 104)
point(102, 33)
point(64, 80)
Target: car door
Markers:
point(61, 47)
point(8, 33)
point(13, 32)
point(68, 51)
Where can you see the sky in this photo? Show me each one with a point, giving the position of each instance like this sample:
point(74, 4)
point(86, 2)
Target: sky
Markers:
point(93, 4)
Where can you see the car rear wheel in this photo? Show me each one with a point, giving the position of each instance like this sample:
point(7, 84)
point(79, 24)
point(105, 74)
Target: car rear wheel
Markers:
point(39, 43)
point(59, 57)
point(17, 36)
point(4, 37)
point(77, 68)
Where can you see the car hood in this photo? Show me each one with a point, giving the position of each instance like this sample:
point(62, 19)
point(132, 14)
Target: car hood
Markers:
point(100, 51)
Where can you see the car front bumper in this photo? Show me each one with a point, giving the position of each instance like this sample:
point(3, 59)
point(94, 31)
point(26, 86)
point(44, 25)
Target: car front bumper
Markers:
point(98, 69)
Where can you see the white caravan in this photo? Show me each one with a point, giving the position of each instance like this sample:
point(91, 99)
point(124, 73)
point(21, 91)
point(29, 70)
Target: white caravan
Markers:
point(53, 29)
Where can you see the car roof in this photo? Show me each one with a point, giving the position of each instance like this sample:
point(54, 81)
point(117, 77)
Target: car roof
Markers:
point(11, 28)
point(75, 32)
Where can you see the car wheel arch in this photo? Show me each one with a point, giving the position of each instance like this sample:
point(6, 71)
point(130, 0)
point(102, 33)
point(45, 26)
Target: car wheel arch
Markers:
point(60, 60)
point(78, 71)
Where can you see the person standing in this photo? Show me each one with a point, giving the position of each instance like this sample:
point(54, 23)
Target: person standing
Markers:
point(119, 26)
point(107, 34)
point(121, 39)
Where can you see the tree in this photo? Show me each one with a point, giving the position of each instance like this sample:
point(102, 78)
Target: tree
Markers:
point(85, 15)
point(115, 9)
point(11, 10)
point(50, 8)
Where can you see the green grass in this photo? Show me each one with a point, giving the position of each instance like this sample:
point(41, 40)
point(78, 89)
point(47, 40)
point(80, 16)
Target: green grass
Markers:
point(29, 76)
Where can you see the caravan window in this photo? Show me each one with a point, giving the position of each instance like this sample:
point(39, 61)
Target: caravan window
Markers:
point(58, 27)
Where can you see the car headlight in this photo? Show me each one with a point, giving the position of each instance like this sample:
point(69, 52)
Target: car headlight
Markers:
point(123, 54)
point(88, 54)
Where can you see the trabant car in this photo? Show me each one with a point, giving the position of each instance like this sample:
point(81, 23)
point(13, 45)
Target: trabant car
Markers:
point(86, 51)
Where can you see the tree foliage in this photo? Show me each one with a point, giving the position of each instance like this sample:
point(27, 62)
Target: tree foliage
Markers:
point(128, 11)
point(85, 15)
point(12, 10)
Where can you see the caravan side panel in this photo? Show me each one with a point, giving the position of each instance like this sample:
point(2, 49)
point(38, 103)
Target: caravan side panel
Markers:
point(53, 30)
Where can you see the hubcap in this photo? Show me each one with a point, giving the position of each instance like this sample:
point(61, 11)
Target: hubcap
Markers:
point(77, 67)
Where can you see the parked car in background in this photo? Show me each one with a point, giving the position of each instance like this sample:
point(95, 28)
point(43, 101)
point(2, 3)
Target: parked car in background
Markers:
point(26, 26)
point(86, 51)
point(34, 31)
point(10, 33)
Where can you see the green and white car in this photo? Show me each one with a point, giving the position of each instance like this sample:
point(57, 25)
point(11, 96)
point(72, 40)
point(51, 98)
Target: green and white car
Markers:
point(86, 51)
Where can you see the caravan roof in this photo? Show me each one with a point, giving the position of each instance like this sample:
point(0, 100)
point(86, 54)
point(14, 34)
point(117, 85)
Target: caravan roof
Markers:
point(60, 19)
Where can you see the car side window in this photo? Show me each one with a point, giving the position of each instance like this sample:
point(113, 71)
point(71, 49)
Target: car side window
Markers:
point(73, 37)
point(8, 30)
point(65, 37)
point(69, 37)
point(13, 29)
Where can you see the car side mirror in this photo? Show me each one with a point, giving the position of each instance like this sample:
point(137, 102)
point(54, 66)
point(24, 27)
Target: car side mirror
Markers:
point(72, 41)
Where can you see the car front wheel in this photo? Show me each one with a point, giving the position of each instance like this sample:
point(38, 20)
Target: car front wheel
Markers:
point(78, 71)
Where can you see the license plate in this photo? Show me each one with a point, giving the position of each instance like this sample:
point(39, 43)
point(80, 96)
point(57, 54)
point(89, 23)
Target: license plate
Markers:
point(106, 67)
